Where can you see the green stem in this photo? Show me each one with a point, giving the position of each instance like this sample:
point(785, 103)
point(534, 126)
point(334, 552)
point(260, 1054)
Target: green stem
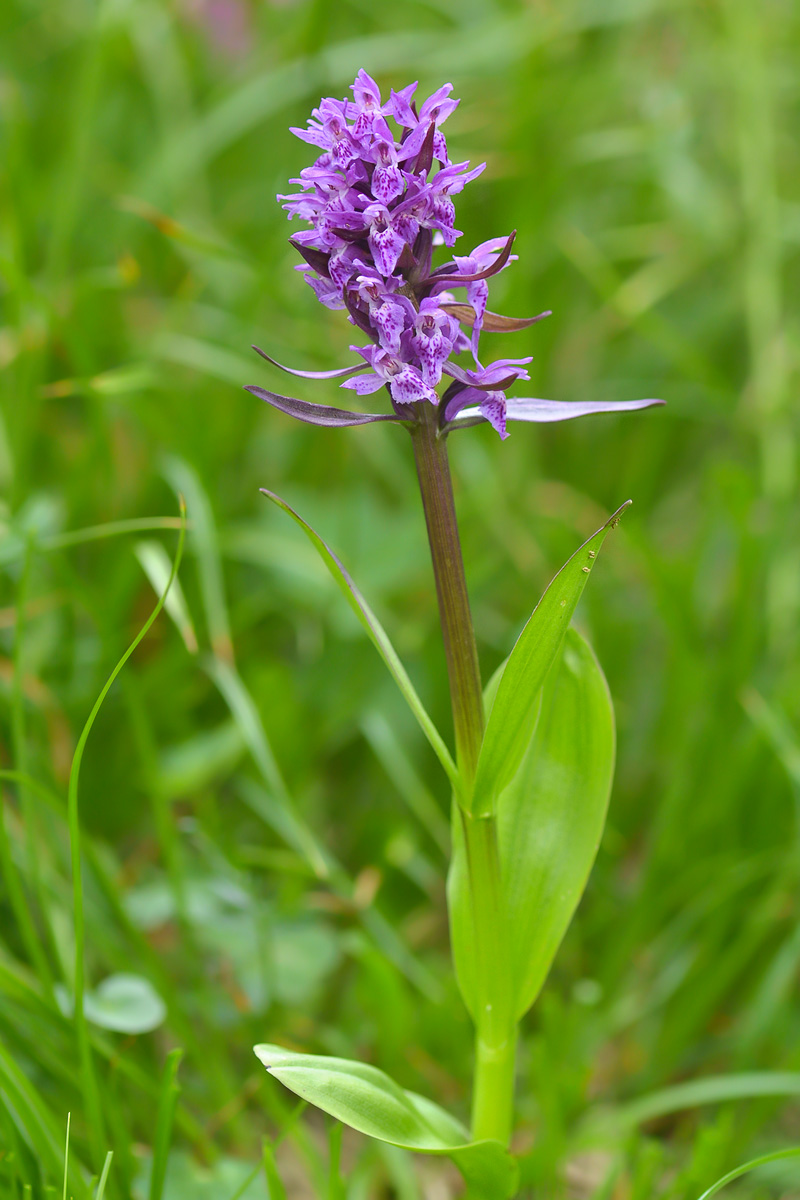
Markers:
point(493, 1090)
point(495, 1026)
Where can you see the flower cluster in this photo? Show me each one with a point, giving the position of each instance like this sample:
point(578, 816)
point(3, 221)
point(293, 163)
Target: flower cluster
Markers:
point(378, 200)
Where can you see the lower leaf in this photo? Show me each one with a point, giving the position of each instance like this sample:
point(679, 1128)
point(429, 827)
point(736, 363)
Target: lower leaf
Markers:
point(369, 1101)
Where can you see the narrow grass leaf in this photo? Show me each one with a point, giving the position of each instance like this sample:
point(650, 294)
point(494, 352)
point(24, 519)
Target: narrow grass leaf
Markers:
point(156, 565)
point(89, 1085)
point(204, 541)
point(512, 719)
point(101, 1186)
point(715, 1089)
point(164, 1120)
point(66, 1159)
point(377, 636)
point(776, 1156)
point(275, 1189)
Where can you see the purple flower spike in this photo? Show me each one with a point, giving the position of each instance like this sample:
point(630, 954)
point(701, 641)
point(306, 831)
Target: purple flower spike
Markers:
point(377, 202)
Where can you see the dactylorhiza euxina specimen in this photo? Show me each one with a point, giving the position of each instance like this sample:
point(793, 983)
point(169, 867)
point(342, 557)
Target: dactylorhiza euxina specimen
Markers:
point(534, 752)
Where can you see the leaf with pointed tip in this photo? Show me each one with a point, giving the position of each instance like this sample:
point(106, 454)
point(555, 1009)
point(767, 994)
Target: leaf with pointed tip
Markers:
point(550, 818)
point(510, 726)
point(545, 411)
point(377, 635)
point(335, 374)
point(318, 414)
point(492, 322)
point(369, 1101)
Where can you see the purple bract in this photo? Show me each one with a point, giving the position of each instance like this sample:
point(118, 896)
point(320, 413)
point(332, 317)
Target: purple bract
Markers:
point(378, 200)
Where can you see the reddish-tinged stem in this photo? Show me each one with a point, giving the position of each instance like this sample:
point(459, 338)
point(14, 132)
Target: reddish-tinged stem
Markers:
point(433, 469)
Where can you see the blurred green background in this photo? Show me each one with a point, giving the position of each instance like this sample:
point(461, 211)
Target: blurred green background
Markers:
point(264, 830)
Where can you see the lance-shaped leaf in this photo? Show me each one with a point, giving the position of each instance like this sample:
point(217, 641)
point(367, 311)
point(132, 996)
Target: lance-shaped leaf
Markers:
point(492, 322)
point(318, 414)
point(377, 635)
point(512, 719)
point(550, 819)
point(546, 411)
point(366, 1099)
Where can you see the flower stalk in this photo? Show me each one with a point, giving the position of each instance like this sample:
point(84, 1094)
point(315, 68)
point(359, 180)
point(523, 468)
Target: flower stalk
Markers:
point(461, 653)
point(495, 1027)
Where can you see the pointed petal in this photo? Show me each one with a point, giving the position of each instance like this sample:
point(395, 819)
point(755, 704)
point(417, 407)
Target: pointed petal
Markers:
point(318, 414)
point(335, 374)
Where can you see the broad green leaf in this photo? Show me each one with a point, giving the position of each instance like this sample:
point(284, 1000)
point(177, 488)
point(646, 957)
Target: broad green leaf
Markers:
point(550, 819)
point(366, 1099)
point(377, 635)
point(549, 822)
point(509, 729)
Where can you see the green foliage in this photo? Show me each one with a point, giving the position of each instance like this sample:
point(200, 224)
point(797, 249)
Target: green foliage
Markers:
point(550, 820)
point(516, 702)
point(551, 817)
point(366, 1099)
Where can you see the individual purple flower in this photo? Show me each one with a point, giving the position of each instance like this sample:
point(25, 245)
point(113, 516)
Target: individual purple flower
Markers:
point(434, 337)
point(377, 201)
point(405, 382)
point(388, 180)
point(387, 312)
point(331, 132)
point(388, 233)
point(367, 106)
point(437, 108)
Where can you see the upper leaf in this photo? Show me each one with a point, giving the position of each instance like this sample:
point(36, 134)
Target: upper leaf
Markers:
point(510, 725)
point(366, 1099)
point(550, 819)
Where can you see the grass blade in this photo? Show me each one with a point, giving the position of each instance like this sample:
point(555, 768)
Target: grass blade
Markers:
point(164, 1121)
point(776, 1156)
point(91, 1096)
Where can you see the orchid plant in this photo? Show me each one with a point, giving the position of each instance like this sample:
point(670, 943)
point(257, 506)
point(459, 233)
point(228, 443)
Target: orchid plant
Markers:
point(534, 750)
